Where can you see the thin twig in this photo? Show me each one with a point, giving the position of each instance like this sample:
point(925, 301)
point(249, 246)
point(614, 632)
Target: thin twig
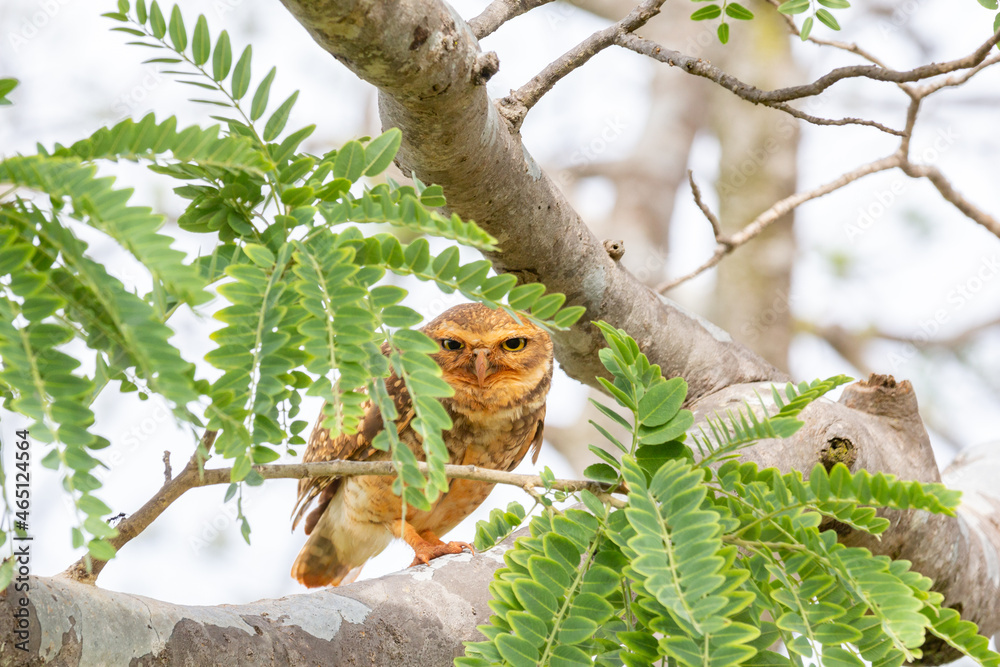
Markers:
point(167, 473)
point(191, 478)
point(780, 208)
point(87, 569)
point(950, 194)
point(957, 79)
point(712, 219)
point(515, 106)
point(705, 69)
point(816, 120)
point(499, 12)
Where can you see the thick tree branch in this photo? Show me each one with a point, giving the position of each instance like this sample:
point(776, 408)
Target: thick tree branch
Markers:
point(421, 615)
point(426, 62)
point(413, 618)
point(453, 136)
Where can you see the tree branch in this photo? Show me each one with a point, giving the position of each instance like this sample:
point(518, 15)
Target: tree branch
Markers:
point(702, 68)
point(778, 209)
point(454, 136)
point(191, 478)
point(499, 12)
point(87, 569)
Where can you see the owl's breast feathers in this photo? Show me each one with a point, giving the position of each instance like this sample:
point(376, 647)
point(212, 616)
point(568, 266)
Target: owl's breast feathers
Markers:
point(495, 436)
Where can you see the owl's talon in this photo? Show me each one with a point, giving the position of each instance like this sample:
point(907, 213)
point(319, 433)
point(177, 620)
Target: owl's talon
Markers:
point(427, 552)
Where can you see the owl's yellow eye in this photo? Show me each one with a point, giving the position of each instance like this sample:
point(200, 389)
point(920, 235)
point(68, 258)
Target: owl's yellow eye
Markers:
point(450, 344)
point(514, 344)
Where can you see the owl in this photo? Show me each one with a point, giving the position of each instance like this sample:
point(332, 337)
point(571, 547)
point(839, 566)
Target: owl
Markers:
point(500, 368)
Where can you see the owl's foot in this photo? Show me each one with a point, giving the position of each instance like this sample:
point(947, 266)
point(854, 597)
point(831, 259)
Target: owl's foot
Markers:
point(428, 552)
point(427, 546)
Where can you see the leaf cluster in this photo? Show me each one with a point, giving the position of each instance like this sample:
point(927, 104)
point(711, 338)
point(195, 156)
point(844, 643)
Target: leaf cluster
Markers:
point(711, 561)
point(306, 299)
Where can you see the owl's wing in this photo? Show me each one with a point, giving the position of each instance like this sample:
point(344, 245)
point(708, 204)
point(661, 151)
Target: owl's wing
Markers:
point(536, 441)
point(352, 447)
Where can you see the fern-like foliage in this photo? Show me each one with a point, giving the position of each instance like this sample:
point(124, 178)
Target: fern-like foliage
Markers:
point(709, 563)
point(302, 292)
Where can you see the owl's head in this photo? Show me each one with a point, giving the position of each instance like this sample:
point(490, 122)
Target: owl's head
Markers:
point(487, 356)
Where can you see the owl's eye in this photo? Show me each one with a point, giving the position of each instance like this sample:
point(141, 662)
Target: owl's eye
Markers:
point(514, 344)
point(450, 344)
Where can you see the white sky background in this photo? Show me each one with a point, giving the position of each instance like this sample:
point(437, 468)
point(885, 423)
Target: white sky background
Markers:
point(77, 76)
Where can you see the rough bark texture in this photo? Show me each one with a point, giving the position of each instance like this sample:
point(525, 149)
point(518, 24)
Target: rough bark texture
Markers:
point(426, 62)
point(416, 617)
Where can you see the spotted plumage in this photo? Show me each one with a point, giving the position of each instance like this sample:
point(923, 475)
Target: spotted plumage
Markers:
point(500, 369)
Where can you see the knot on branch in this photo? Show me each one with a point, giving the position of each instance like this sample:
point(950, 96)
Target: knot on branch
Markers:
point(615, 249)
point(838, 450)
point(486, 65)
point(882, 396)
point(513, 111)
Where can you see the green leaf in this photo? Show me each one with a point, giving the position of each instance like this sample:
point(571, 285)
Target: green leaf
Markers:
point(6, 85)
point(807, 26)
point(259, 255)
point(707, 12)
point(794, 6)
point(662, 402)
point(524, 296)
point(737, 11)
point(276, 123)
point(260, 98)
point(567, 317)
point(101, 549)
point(380, 151)
point(528, 628)
point(92, 506)
point(827, 19)
point(201, 42)
point(723, 33)
point(535, 598)
point(157, 25)
point(844, 4)
point(241, 74)
point(517, 651)
point(177, 33)
point(222, 59)
point(601, 472)
point(989, 4)
point(350, 162)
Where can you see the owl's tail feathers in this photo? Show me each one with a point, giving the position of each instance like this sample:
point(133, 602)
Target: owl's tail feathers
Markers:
point(318, 564)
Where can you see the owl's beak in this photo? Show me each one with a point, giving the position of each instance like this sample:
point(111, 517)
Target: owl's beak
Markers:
point(482, 364)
